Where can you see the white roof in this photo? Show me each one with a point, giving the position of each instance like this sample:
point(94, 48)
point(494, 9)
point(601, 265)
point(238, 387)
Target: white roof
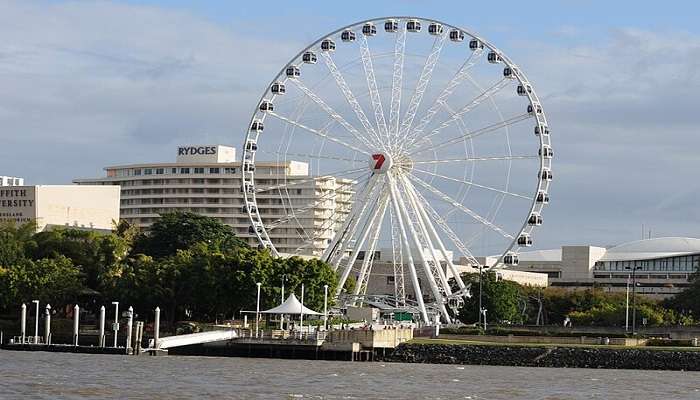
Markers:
point(291, 306)
point(653, 248)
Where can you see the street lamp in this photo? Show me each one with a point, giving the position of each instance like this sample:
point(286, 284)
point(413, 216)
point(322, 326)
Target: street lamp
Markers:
point(325, 307)
point(257, 311)
point(36, 322)
point(634, 297)
point(284, 277)
point(115, 325)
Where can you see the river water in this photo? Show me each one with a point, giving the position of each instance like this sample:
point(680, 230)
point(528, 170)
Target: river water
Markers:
point(39, 375)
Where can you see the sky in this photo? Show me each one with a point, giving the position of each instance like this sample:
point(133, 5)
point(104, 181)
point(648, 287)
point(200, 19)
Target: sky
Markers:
point(86, 84)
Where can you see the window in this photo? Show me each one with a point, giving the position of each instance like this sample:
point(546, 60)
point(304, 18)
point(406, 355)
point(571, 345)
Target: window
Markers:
point(173, 170)
point(160, 171)
point(148, 171)
point(137, 171)
point(199, 170)
point(389, 280)
point(214, 171)
point(298, 191)
point(184, 170)
point(229, 170)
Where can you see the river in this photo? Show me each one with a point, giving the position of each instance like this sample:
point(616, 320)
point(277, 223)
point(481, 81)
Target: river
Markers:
point(40, 375)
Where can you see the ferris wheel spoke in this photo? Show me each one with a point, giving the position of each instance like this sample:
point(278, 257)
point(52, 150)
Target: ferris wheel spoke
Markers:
point(336, 248)
point(444, 226)
point(473, 184)
point(456, 80)
point(470, 159)
point(366, 267)
point(377, 208)
point(455, 116)
point(349, 96)
point(470, 135)
point(317, 132)
point(418, 293)
point(442, 196)
point(397, 261)
point(397, 82)
point(435, 288)
point(372, 86)
point(333, 114)
point(312, 206)
point(423, 81)
point(286, 184)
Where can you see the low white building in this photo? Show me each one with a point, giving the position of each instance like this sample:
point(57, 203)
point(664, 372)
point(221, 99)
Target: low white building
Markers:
point(660, 266)
point(11, 181)
point(74, 206)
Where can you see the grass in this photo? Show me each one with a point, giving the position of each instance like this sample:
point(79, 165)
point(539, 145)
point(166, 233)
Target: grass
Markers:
point(553, 345)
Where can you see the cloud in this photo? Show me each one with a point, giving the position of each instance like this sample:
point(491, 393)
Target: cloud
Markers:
point(89, 84)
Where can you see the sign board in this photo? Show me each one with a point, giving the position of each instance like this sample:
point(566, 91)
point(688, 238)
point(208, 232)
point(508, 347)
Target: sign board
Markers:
point(206, 154)
point(18, 204)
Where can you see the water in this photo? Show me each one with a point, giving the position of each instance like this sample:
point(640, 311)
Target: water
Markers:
point(42, 375)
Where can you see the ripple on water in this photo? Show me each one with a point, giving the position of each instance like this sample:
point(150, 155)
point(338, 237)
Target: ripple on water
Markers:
point(77, 376)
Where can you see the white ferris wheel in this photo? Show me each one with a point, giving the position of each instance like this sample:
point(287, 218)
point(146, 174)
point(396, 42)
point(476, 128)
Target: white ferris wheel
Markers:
point(436, 137)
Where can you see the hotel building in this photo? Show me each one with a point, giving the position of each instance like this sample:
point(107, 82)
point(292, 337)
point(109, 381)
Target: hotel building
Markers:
point(207, 180)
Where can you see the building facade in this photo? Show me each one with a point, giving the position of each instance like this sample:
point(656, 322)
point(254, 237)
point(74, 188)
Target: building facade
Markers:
point(81, 207)
point(207, 180)
point(661, 267)
point(11, 181)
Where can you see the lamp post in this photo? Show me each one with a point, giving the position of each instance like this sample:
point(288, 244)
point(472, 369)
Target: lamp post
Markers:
point(484, 311)
point(115, 326)
point(301, 316)
point(36, 322)
point(481, 307)
point(257, 312)
point(325, 307)
point(284, 277)
point(627, 305)
point(634, 297)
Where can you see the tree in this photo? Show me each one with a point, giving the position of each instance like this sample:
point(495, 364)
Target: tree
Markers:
point(15, 242)
point(500, 297)
point(54, 281)
point(180, 231)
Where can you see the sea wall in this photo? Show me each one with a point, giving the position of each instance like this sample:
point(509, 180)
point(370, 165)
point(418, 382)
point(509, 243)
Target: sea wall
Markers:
point(556, 357)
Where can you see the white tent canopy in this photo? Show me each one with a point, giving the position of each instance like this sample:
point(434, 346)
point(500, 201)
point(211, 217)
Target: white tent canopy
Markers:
point(291, 306)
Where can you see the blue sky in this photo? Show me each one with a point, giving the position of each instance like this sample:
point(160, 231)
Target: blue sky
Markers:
point(87, 84)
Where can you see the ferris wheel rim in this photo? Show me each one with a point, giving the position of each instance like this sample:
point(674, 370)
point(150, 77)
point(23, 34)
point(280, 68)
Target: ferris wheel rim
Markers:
point(533, 100)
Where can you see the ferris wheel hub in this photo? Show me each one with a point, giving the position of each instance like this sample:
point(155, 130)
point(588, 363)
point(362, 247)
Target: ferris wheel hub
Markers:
point(380, 162)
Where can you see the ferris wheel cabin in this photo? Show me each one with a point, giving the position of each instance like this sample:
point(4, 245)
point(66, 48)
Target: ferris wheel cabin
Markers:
point(266, 106)
point(524, 90)
point(413, 25)
point(544, 130)
point(369, 29)
point(493, 57)
point(525, 240)
point(456, 35)
point(256, 126)
point(546, 151)
point(475, 44)
point(347, 36)
point(278, 88)
point(546, 175)
point(535, 219)
point(510, 259)
point(391, 25)
point(327, 45)
point(293, 72)
point(435, 28)
point(542, 197)
point(309, 57)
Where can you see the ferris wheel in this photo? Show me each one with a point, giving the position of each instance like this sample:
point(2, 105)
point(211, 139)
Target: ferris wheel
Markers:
point(422, 142)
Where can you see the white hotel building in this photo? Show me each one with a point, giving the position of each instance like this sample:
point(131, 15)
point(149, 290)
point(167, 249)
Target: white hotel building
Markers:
point(207, 180)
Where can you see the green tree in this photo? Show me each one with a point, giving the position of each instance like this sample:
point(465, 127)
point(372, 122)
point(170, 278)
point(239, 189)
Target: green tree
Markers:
point(180, 231)
point(15, 242)
point(54, 281)
point(500, 298)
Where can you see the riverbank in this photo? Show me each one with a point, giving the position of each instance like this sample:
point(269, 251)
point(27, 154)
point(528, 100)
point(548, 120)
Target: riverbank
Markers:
point(437, 352)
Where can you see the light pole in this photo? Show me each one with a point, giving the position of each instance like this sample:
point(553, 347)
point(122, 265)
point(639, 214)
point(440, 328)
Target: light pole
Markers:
point(634, 297)
point(115, 326)
point(301, 316)
point(325, 307)
point(36, 322)
point(484, 311)
point(481, 307)
point(257, 311)
point(284, 277)
point(627, 305)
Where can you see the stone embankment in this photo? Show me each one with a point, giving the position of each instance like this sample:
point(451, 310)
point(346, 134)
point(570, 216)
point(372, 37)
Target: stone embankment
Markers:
point(541, 356)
